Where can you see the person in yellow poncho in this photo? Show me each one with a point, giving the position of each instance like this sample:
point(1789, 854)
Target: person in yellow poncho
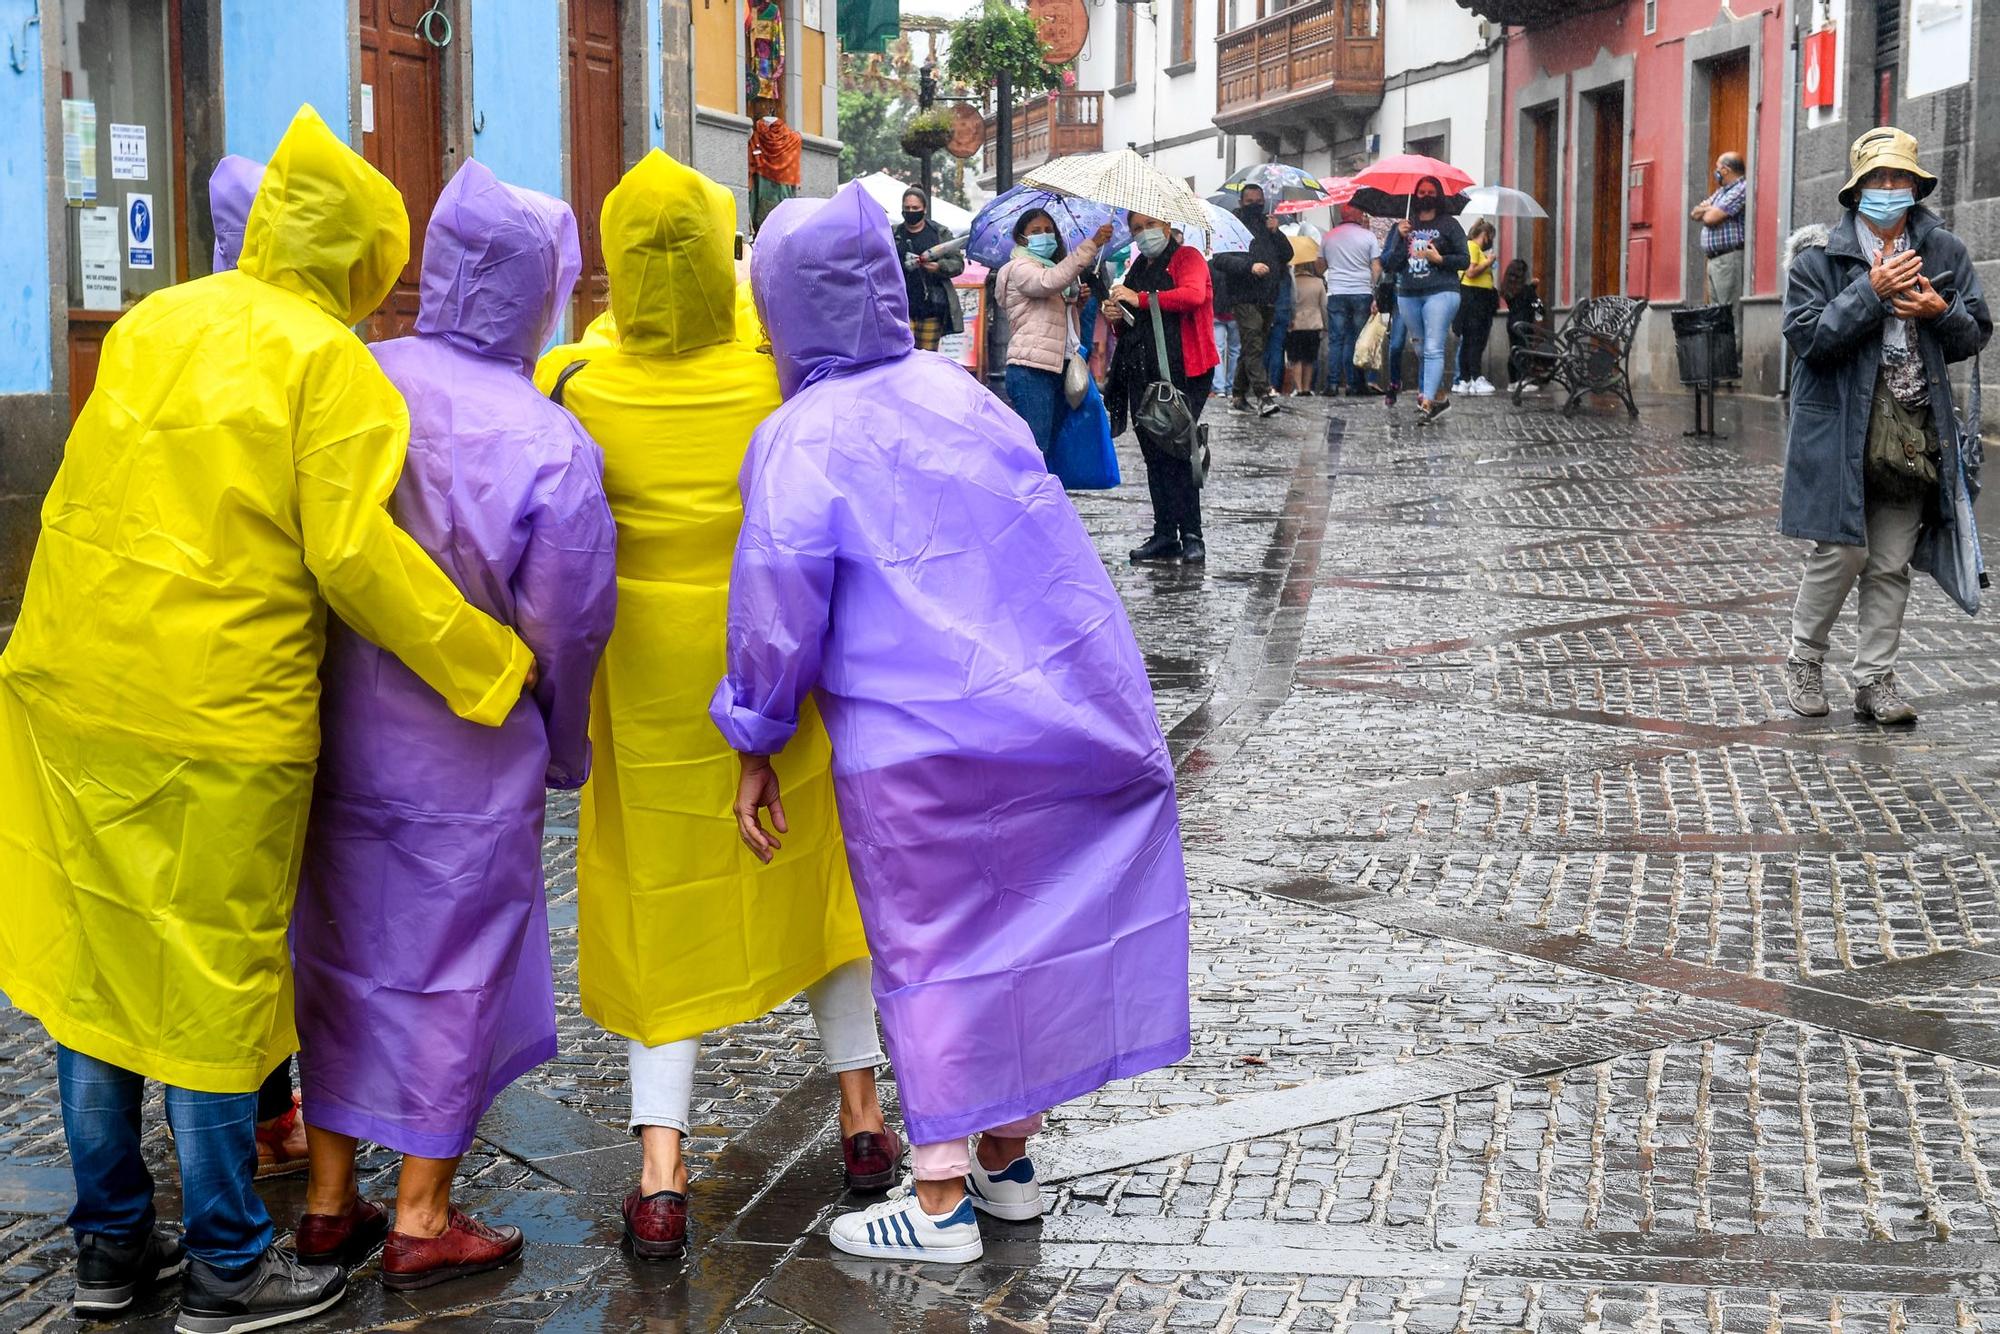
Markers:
point(680, 929)
point(223, 489)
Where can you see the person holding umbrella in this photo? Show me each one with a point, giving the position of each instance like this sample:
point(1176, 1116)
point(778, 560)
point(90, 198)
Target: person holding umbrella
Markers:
point(1036, 287)
point(1426, 253)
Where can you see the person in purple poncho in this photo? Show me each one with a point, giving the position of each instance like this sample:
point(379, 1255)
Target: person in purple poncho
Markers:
point(1009, 804)
point(421, 939)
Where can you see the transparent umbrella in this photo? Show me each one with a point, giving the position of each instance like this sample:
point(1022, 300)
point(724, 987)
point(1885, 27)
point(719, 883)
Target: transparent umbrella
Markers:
point(992, 235)
point(1500, 201)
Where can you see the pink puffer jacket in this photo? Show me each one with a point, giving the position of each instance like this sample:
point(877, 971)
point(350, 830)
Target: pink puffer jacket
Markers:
point(1037, 317)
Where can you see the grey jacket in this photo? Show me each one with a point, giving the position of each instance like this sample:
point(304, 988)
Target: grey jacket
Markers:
point(1833, 323)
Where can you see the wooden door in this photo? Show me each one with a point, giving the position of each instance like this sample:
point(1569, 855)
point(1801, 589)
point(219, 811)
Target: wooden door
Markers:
point(1542, 185)
point(402, 133)
point(1607, 220)
point(597, 153)
point(1728, 107)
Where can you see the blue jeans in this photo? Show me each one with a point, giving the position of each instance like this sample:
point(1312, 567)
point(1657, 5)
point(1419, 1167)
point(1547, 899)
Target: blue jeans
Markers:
point(1346, 316)
point(1429, 317)
point(1229, 342)
point(1037, 395)
point(1274, 349)
point(215, 1135)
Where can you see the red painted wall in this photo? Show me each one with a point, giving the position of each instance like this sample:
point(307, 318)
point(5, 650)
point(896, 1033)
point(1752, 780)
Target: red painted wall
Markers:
point(1659, 129)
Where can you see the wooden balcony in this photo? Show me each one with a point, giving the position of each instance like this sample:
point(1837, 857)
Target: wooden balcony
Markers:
point(1299, 68)
point(1050, 127)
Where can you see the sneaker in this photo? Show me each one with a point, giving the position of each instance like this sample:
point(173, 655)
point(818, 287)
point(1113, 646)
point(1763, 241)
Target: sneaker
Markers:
point(1878, 700)
point(1268, 406)
point(344, 1239)
point(870, 1159)
point(656, 1225)
point(1012, 1193)
point(1481, 385)
point(275, 1290)
point(1389, 395)
point(1461, 386)
point(1530, 387)
point(110, 1276)
point(1193, 552)
point(465, 1247)
point(1438, 407)
point(281, 1144)
point(899, 1229)
point(1237, 407)
point(1156, 549)
point(1805, 688)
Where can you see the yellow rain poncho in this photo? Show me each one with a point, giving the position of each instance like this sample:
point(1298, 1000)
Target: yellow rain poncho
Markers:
point(680, 930)
point(224, 486)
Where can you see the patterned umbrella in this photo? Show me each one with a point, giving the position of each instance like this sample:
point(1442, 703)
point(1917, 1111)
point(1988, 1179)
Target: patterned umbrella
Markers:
point(1123, 180)
point(1225, 233)
point(1281, 183)
point(1339, 190)
point(992, 234)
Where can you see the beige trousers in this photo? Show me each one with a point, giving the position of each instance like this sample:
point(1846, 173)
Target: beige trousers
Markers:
point(1883, 569)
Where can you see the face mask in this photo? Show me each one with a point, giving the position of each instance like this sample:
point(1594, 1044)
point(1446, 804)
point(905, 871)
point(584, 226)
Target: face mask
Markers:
point(1042, 245)
point(1255, 210)
point(1427, 203)
point(1152, 242)
point(1884, 207)
point(1718, 175)
point(913, 216)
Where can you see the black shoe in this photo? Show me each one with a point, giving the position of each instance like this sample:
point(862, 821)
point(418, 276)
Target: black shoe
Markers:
point(1438, 407)
point(1268, 406)
point(1237, 407)
point(276, 1290)
point(109, 1276)
point(1193, 552)
point(1157, 548)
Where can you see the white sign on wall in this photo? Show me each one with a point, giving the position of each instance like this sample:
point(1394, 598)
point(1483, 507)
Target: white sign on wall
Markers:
point(97, 254)
point(128, 152)
point(1940, 45)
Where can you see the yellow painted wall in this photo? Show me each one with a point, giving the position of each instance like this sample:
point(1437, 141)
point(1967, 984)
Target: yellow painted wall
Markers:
point(718, 78)
point(813, 66)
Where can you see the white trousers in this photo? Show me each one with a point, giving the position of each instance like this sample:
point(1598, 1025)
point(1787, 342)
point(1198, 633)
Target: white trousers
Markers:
point(843, 1010)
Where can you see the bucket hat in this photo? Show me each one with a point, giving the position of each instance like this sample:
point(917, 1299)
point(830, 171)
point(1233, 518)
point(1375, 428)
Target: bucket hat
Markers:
point(1883, 146)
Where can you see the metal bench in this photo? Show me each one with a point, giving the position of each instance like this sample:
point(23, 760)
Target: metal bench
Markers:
point(1591, 354)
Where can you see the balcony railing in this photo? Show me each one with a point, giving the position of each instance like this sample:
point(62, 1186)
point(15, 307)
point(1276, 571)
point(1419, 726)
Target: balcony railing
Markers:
point(1051, 127)
point(1284, 67)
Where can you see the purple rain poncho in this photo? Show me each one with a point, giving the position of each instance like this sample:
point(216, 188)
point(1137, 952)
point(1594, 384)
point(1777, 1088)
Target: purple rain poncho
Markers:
point(421, 940)
point(1004, 787)
point(231, 188)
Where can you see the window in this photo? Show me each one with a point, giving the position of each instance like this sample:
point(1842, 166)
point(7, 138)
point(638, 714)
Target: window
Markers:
point(1184, 32)
point(1888, 56)
point(1127, 62)
point(1652, 17)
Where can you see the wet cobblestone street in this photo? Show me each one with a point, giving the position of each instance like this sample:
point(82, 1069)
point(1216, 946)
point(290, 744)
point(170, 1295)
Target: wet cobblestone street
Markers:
point(1548, 974)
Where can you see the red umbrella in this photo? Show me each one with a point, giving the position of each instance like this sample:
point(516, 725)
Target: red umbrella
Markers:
point(1338, 191)
point(1399, 174)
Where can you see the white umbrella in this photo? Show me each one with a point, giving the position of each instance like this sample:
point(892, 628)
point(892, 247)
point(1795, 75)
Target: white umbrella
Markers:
point(1122, 179)
point(887, 191)
point(1223, 234)
point(1499, 201)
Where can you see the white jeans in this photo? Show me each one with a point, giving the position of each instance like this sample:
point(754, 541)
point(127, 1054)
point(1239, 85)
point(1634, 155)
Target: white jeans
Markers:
point(843, 1010)
point(1883, 568)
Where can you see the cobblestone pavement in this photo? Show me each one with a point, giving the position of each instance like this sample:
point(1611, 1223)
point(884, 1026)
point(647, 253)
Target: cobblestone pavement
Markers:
point(1547, 974)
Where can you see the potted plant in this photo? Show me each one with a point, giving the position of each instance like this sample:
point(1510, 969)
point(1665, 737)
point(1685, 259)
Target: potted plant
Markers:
point(926, 133)
point(1000, 39)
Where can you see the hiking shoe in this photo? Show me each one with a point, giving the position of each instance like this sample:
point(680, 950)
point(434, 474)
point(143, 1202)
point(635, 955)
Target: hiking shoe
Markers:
point(110, 1276)
point(465, 1247)
point(1805, 688)
point(899, 1229)
point(275, 1290)
point(346, 1239)
point(1878, 700)
point(870, 1159)
point(1156, 549)
point(1013, 1193)
point(656, 1225)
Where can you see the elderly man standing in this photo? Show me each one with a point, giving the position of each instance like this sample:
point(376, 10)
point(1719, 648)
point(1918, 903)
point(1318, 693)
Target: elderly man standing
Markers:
point(1722, 233)
point(1876, 310)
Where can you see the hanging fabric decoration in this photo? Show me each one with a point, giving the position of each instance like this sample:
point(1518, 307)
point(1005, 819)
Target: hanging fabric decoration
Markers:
point(774, 166)
point(764, 39)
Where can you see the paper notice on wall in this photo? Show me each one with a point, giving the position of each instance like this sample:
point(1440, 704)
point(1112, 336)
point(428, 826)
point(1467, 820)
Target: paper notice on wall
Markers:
point(97, 250)
point(79, 124)
point(368, 108)
point(139, 231)
point(128, 152)
point(809, 14)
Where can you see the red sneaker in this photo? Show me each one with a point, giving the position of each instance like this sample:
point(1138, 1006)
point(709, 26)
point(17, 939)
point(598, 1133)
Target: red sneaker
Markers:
point(466, 1246)
point(281, 1144)
point(871, 1159)
point(345, 1239)
point(657, 1224)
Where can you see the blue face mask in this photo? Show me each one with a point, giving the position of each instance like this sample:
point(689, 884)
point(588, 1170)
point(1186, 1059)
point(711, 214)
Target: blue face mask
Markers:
point(1885, 207)
point(1152, 242)
point(1042, 245)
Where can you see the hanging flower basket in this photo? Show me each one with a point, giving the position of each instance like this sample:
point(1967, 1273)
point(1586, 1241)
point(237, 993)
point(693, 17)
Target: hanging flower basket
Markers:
point(926, 134)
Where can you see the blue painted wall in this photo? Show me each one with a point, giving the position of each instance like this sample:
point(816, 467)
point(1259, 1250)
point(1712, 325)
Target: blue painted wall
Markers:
point(517, 61)
point(24, 184)
point(275, 55)
point(655, 126)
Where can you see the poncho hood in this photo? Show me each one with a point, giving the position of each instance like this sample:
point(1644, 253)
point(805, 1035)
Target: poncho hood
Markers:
point(231, 189)
point(499, 265)
point(669, 250)
point(325, 224)
point(829, 287)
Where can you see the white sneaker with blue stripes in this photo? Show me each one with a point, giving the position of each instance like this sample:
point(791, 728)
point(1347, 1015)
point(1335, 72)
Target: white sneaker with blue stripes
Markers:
point(1013, 1193)
point(899, 1229)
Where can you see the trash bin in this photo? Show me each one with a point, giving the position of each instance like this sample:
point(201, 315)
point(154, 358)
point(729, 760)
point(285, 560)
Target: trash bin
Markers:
point(1705, 339)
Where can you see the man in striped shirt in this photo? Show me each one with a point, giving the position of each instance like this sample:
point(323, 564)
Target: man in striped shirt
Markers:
point(1721, 219)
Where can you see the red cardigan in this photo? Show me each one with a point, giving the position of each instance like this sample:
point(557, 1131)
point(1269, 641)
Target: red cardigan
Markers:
point(1190, 298)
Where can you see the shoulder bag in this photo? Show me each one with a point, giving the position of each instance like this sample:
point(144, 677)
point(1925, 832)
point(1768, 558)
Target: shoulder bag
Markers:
point(1163, 411)
point(1076, 371)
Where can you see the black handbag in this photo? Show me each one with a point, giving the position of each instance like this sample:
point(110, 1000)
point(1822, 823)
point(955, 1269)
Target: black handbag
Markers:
point(1163, 411)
